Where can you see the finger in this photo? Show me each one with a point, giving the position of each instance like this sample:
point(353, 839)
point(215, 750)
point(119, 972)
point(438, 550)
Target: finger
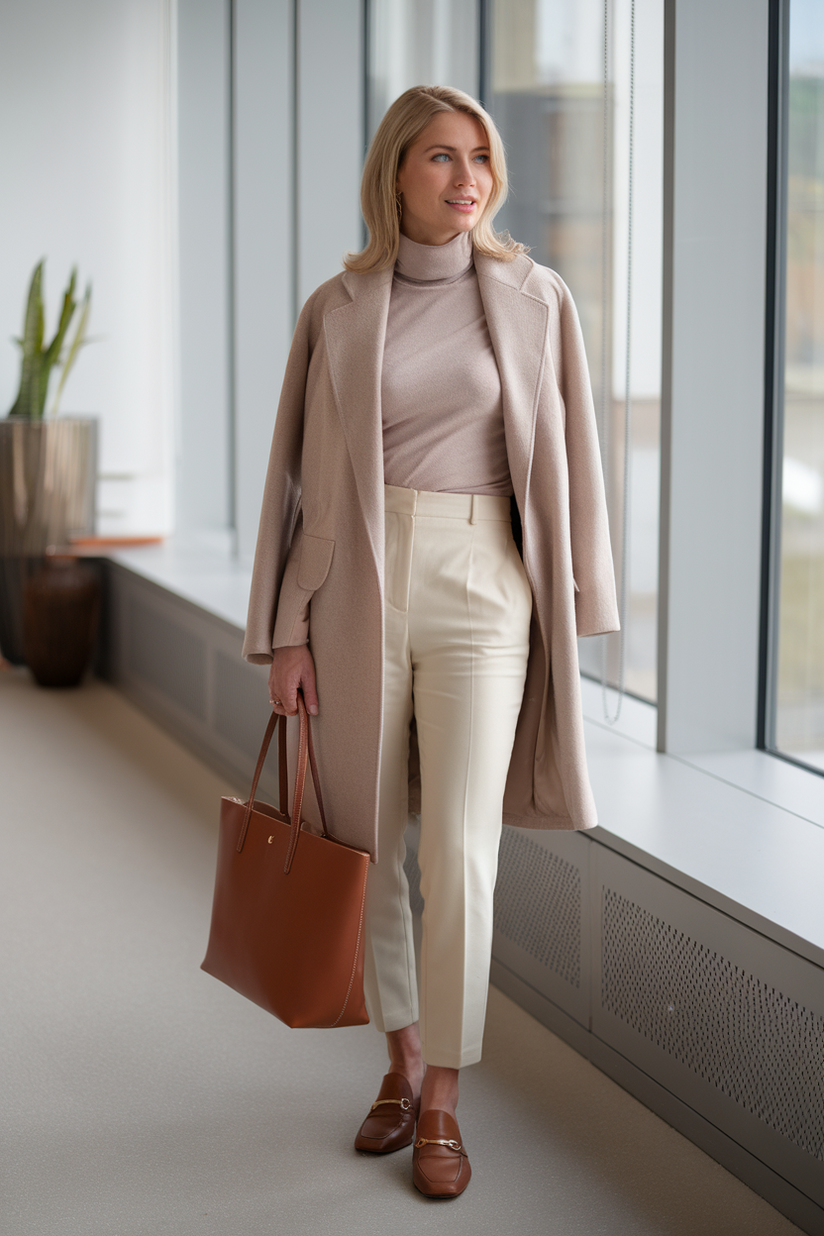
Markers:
point(273, 691)
point(290, 697)
point(310, 694)
point(274, 676)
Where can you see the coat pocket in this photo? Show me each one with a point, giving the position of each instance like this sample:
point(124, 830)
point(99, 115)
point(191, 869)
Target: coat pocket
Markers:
point(315, 560)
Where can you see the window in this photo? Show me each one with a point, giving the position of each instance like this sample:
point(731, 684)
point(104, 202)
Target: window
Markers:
point(576, 87)
point(558, 77)
point(799, 656)
point(416, 43)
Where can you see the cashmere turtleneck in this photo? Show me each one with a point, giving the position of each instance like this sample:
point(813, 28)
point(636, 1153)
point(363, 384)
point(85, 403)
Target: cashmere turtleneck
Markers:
point(443, 428)
point(434, 263)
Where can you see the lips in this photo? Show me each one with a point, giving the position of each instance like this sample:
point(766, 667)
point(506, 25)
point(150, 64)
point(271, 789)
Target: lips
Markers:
point(464, 204)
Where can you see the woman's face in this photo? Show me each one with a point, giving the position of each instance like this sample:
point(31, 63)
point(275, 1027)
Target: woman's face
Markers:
point(445, 180)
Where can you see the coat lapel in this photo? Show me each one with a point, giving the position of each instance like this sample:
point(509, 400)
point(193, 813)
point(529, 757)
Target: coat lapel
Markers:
point(517, 325)
point(355, 335)
point(354, 339)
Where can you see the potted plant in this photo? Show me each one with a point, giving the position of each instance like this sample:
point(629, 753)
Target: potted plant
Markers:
point(48, 465)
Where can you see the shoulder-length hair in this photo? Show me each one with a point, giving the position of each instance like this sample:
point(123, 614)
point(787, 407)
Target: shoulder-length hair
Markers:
point(400, 128)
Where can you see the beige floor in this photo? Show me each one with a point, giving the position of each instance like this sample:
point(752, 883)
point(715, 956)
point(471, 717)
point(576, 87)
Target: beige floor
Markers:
point(140, 1096)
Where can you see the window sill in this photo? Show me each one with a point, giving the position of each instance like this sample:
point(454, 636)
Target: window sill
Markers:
point(740, 830)
point(199, 568)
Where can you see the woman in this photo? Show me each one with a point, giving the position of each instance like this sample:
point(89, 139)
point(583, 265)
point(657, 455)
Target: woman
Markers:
point(434, 389)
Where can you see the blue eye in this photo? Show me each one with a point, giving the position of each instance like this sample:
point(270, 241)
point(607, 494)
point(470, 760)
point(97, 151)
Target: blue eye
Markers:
point(481, 158)
point(441, 156)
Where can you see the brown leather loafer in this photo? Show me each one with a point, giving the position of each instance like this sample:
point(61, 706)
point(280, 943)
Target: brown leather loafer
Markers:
point(440, 1166)
point(390, 1124)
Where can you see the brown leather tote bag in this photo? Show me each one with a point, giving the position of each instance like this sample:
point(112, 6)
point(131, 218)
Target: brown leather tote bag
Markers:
point(287, 917)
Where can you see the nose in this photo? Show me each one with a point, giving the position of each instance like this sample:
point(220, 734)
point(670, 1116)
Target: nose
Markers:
point(464, 172)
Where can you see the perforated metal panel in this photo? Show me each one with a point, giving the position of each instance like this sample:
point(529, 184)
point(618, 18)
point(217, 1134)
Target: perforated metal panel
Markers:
point(167, 656)
point(241, 704)
point(742, 1036)
point(538, 905)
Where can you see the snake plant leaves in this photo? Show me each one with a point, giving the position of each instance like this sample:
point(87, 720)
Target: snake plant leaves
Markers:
point(75, 345)
point(31, 345)
point(37, 360)
point(66, 313)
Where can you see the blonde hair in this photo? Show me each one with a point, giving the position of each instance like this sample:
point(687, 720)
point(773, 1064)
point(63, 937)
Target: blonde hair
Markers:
point(400, 128)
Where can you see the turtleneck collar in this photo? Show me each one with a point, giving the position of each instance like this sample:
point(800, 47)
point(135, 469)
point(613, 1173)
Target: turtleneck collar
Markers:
point(434, 263)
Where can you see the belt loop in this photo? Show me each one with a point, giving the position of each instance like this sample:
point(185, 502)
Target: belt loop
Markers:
point(473, 518)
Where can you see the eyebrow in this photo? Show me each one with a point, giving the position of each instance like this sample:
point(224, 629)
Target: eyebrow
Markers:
point(441, 146)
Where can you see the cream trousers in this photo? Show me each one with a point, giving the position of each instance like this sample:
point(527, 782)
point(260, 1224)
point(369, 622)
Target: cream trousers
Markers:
point(458, 608)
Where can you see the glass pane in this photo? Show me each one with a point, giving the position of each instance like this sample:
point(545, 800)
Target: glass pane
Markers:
point(420, 42)
point(800, 687)
point(567, 140)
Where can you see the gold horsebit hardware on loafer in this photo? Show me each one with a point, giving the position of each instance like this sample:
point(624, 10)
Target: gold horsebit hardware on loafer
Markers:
point(438, 1141)
point(405, 1105)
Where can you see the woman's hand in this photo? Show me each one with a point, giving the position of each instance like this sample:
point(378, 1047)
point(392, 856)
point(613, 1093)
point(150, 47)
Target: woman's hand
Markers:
point(292, 668)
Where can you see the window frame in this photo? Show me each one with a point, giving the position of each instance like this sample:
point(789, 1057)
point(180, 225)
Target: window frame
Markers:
point(773, 371)
point(775, 335)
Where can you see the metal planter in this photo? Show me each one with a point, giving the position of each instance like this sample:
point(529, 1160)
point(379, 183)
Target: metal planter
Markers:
point(48, 471)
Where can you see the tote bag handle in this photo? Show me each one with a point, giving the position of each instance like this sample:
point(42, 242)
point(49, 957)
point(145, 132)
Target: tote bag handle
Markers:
point(305, 747)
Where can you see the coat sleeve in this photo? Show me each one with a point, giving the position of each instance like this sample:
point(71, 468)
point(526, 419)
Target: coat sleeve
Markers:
point(281, 500)
point(596, 609)
point(292, 620)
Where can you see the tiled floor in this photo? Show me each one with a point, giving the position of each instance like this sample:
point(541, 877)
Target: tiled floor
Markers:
point(141, 1097)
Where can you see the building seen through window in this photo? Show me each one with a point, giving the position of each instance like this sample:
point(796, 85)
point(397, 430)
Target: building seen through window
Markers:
point(799, 693)
point(562, 76)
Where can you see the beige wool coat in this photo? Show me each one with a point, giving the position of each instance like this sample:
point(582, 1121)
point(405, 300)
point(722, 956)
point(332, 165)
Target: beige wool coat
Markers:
point(322, 534)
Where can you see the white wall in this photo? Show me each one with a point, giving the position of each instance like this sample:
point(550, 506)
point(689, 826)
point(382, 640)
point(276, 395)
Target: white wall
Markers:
point(264, 272)
point(85, 135)
point(204, 447)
